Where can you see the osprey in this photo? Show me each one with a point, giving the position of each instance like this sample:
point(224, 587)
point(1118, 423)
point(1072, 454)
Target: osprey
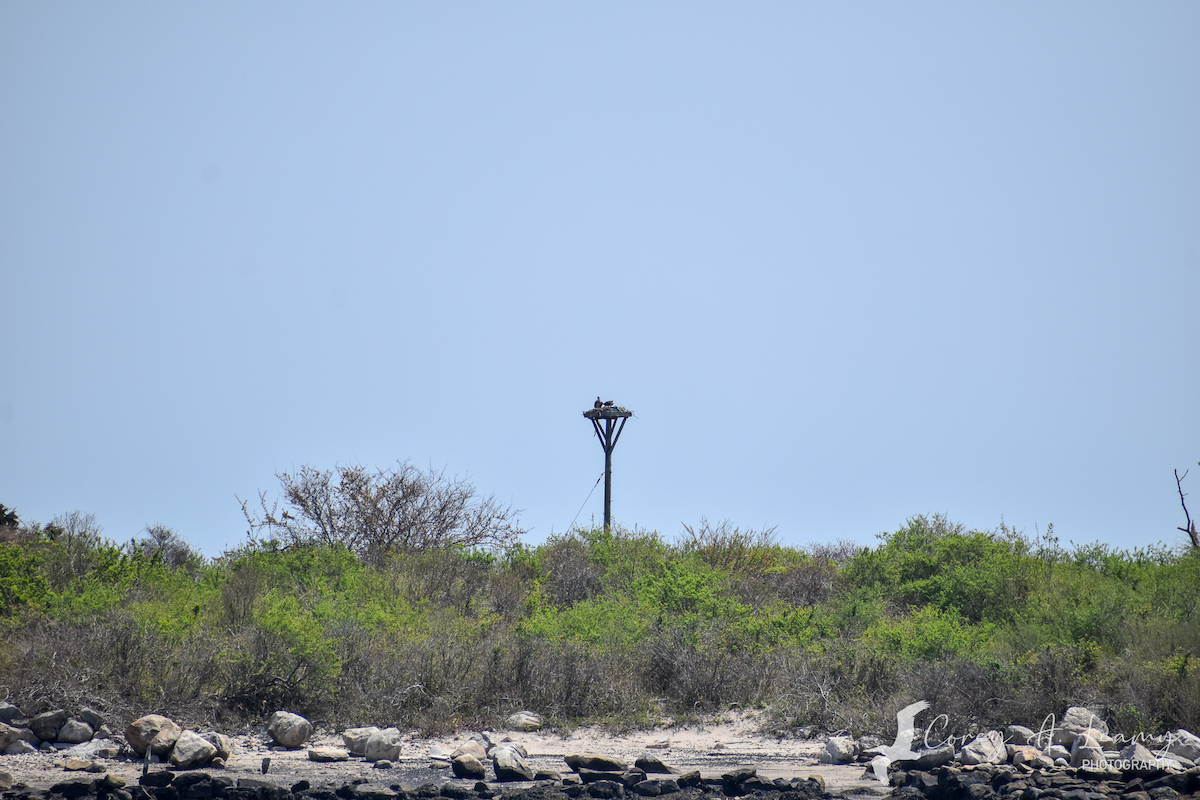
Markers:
point(607, 403)
point(598, 403)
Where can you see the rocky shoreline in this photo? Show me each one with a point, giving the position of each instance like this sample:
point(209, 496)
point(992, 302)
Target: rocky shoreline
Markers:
point(156, 759)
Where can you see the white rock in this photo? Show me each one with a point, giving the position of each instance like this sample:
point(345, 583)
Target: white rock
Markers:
point(1018, 734)
point(220, 741)
point(1138, 756)
point(191, 751)
point(383, 745)
point(326, 754)
point(1086, 751)
point(838, 750)
point(1078, 718)
point(523, 721)
point(1184, 743)
point(509, 765)
point(471, 747)
point(356, 738)
point(153, 731)
point(74, 731)
point(987, 748)
point(1057, 751)
point(288, 729)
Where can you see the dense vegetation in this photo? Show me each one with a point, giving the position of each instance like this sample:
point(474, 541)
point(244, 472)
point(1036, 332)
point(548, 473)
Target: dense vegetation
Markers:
point(623, 627)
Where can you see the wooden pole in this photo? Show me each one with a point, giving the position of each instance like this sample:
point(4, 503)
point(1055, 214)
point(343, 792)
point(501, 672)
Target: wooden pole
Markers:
point(608, 448)
point(608, 434)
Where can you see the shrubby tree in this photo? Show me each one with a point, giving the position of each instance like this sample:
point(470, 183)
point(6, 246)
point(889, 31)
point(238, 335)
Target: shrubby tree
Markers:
point(163, 542)
point(374, 513)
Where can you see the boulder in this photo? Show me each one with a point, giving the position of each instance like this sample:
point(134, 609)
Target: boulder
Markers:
point(933, 757)
point(289, 730)
point(654, 765)
point(509, 765)
point(91, 717)
point(6, 781)
point(594, 761)
point(471, 747)
point(9, 712)
point(220, 741)
point(356, 739)
point(1078, 718)
point(466, 765)
point(96, 748)
point(1019, 734)
point(326, 754)
point(383, 745)
point(8, 735)
point(1057, 751)
point(987, 748)
point(75, 731)
point(1022, 754)
point(1086, 751)
point(838, 750)
point(1183, 743)
point(520, 748)
point(1101, 737)
point(866, 747)
point(191, 751)
point(19, 748)
point(523, 721)
point(1138, 757)
point(46, 724)
point(152, 731)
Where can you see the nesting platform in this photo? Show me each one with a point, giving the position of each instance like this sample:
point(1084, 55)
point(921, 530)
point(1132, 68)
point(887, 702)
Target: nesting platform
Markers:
point(608, 412)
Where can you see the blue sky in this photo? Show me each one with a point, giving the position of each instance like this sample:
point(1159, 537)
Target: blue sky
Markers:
point(847, 262)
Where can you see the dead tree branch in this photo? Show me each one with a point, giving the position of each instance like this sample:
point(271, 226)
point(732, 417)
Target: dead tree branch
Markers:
point(1190, 530)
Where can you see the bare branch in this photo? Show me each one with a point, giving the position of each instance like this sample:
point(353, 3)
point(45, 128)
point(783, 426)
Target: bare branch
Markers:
point(1190, 530)
point(388, 510)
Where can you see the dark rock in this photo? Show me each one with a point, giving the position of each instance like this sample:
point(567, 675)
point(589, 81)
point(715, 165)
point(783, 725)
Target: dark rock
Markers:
point(633, 776)
point(201, 790)
point(162, 778)
point(457, 791)
point(650, 788)
point(45, 725)
point(689, 779)
point(254, 783)
point(605, 790)
point(731, 782)
point(654, 765)
point(468, 766)
point(594, 761)
point(375, 793)
point(91, 717)
point(592, 775)
point(182, 782)
point(72, 789)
